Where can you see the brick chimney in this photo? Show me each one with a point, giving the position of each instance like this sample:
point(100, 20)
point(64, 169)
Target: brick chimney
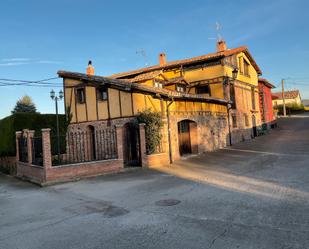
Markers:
point(221, 46)
point(90, 69)
point(162, 59)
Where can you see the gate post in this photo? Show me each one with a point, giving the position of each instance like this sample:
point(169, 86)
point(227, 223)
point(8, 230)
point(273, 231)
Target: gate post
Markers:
point(30, 135)
point(47, 157)
point(119, 138)
point(18, 136)
point(142, 138)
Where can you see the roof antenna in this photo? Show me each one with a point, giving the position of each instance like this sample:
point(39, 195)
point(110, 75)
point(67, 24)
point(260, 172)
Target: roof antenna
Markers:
point(218, 28)
point(142, 52)
point(219, 36)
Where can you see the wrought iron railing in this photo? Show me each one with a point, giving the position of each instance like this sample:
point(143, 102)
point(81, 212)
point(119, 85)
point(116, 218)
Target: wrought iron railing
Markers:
point(23, 149)
point(84, 146)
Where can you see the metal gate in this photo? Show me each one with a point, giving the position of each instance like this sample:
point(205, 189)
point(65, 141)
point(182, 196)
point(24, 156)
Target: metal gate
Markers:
point(131, 145)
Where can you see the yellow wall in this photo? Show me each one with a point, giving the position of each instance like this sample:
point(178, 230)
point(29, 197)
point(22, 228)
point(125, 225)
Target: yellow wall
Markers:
point(119, 104)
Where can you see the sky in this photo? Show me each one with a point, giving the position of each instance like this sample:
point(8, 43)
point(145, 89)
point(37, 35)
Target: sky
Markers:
point(38, 38)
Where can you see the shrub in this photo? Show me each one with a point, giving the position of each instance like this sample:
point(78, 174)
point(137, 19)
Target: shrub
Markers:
point(153, 124)
point(291, 109)
point(31, 121)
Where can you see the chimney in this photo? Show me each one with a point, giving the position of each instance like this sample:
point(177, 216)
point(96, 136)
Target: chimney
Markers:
point(221, 46)
point(162, 59)
point(90, 69)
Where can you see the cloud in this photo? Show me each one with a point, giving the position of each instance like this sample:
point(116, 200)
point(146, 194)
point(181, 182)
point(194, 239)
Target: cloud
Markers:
point(49, 62)
point(16, 60)
point(8, 62)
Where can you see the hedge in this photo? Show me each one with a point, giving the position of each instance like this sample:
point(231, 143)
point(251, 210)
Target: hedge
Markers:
point(31, 121)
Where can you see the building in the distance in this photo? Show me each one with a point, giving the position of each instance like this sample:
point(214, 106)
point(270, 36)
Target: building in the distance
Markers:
point(265, 101)
point(291, 97)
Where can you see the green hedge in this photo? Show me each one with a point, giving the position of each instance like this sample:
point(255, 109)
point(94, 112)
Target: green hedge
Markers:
point(291, 109)
point(20, 121)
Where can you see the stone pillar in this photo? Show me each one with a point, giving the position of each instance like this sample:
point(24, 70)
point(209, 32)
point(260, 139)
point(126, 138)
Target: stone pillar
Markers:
point(142, 138)
point(46, 147)
point(119, 137)
point(30, 135)
point(18, 135)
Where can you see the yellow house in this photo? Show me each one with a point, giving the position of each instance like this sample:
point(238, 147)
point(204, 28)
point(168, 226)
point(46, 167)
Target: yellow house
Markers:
point(211, 75)
point(206, 102)
point(291, 97)
point(193, 123)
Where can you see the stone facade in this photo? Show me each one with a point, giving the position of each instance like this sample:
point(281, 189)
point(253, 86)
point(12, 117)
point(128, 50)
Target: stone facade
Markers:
point(211, 133)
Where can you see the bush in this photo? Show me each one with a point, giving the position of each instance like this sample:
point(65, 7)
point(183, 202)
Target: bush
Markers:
point(291, 109)
point(31, 121)
point(153, 124)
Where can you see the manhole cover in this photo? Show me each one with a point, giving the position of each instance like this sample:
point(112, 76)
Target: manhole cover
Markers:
point(167, 202)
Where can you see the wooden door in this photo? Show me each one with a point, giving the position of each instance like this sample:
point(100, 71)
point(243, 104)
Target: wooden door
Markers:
point(184, 137)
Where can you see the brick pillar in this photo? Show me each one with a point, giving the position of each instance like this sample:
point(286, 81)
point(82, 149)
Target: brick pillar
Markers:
point(30, 135)
point(18, 135)
point(142, 139)
point(119, 137)
point(47, 158)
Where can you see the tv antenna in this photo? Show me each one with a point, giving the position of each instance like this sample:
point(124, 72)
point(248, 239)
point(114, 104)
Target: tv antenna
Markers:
point(142, 52)
point(218, 28)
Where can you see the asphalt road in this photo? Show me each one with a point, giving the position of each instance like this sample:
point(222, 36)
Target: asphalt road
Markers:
point(252, 195)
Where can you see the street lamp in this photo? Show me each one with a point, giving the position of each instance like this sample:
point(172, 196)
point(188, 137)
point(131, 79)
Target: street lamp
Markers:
point(56, 98)
point(229, 105)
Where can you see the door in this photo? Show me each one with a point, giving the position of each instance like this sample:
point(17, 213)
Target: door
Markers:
point(184, 137)
point(254, 126)
point(131, 146)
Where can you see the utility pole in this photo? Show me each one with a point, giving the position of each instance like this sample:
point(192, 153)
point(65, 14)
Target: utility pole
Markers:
point(283, 98)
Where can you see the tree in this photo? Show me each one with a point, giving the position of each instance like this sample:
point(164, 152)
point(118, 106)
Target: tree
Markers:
point(24, 104)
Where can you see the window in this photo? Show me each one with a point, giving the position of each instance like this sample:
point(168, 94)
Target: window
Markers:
point(232, 96)
point(203, 89)
point(241, 62)
point(246, 68)
point(234, 120)
point(246, 120)
point(102, 94)
point(158, 85)
point(253, 98)
point(80, 95)
point(180, 88)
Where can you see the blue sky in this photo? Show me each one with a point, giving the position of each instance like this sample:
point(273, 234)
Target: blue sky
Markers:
point(38, 38)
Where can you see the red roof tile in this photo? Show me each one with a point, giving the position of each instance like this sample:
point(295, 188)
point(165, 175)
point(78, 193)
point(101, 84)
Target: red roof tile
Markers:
point(201, 58)
point(287, 94)
point(266, 82)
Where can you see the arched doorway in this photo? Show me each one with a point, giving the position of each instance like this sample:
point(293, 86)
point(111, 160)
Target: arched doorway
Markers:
point(131, 145)
point(254, 126)
point(91, 143)
point(187, 137)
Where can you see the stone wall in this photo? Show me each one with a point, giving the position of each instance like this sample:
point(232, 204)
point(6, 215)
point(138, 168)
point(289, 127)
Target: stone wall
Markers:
point(212, 130)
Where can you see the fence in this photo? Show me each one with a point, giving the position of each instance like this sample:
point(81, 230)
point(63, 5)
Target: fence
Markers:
point(23, 148)
point(37, 151)
point(84, 146)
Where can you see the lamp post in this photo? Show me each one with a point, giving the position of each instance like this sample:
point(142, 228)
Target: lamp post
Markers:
point(229, 105)
point(56, 98)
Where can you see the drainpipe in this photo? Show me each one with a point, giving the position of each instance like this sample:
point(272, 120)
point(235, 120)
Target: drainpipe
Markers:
point(169, 130)
point(229, 107)
point(228, 120)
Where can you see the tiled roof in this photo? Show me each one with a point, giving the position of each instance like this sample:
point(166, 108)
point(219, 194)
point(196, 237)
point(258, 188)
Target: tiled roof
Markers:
point(287, 94)
point(266, 82)
point(202, 58)
point(135, 87)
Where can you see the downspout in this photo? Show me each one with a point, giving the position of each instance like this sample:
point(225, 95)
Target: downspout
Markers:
point(169, 130)
point(227, 97)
